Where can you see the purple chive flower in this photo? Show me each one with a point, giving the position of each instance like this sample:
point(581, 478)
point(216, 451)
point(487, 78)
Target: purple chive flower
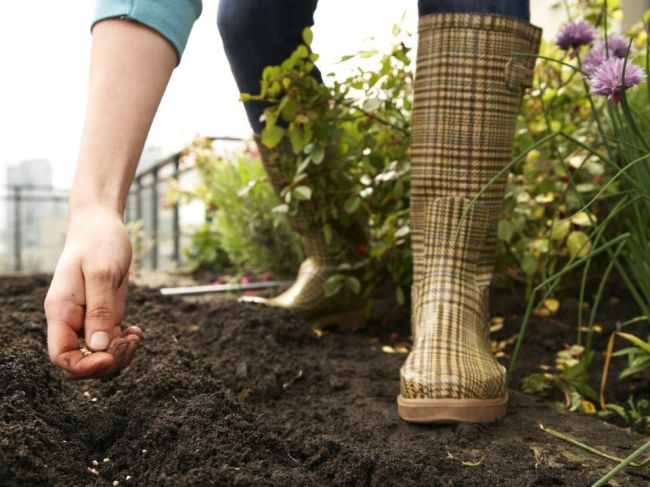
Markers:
point(575, 34)
point(616, 47)
point(593, 59)
point(608, 79)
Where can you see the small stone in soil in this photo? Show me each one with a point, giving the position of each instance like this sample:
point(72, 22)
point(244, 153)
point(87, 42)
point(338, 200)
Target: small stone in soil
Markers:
point(337, 383)
point(241, 371)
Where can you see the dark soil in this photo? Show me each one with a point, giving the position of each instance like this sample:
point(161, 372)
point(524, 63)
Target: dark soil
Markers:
point(224, 393)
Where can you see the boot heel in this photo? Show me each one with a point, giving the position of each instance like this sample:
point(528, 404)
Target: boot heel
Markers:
point(347, 321)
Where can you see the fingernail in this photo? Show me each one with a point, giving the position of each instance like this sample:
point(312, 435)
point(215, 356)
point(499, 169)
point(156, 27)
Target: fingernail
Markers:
point(99, 340)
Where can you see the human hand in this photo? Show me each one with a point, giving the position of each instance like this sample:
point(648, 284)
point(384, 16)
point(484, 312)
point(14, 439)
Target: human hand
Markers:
point(87, 297)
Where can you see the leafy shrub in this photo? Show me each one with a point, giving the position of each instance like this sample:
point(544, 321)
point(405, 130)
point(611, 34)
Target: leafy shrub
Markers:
point(241, 234)
point(360, 127)
point(349, 145)
point(615, 138)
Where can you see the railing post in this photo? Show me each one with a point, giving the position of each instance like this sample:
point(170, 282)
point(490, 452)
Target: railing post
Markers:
point(18, 261)
point(176, 228)
point(154, 219)
point(138, 213)
point(138, 198)
point(127, 208)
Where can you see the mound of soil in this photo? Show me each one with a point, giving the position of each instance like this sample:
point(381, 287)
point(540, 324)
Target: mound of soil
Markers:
point(224, 393)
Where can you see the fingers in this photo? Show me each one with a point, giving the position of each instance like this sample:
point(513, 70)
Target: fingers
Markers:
point(66, 314)
point(64, 311)
point(101, 317)
point(120, 299)
point(117, 356)
point(132, 335)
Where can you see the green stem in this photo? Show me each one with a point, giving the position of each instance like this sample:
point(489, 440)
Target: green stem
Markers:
point(624, 463)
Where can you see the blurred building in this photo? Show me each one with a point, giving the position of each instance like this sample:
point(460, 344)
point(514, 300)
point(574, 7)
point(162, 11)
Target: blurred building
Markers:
point(35, 218)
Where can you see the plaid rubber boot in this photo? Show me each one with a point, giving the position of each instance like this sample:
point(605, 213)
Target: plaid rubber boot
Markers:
point(306, 296)
point(468, 88)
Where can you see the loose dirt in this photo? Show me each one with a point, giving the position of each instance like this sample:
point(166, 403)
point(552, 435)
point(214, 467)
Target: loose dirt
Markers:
point(223, 393)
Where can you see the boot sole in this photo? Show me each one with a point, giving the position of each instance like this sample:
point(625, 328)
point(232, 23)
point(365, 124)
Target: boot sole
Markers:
point(347, 321)
point(450, 411)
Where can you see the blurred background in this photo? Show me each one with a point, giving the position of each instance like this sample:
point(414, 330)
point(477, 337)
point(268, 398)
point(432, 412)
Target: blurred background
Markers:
point(42, 97)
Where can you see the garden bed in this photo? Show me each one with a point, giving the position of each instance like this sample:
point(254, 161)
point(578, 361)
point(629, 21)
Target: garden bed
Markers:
point(238, 394)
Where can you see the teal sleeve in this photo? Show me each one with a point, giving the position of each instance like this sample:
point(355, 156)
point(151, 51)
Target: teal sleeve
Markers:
point(173, 19)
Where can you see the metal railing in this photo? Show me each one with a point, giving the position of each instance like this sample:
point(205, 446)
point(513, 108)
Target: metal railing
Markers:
point(144, 204)
point(35, 219)
point(31, 215)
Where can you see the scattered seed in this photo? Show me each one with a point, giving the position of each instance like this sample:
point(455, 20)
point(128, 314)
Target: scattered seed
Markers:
point(92, 471)
point(115, 482)
point(106, 460)
point(94, 399)
point(85, 351)
point(95, 463)
point(496, 323)
point(128, 477)
point(86, 393)
point(144, 451)
point(294, 379)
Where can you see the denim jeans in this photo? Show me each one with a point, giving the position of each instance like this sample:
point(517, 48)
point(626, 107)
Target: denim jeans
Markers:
point(259, 33)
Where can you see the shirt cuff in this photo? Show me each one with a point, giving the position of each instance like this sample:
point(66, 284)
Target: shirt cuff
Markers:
point(173, 19)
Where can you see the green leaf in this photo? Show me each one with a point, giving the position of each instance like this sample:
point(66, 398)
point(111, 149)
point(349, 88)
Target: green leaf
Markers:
point(307, 35)
point(529, 264)
point(317, 154)
point(399, 295)
point(289, 109)
point(505, 230)
point(247, 189)
point(353, 284)
point(272, 135)
point(371, 104)
point(583, 219)
point(333, 284)
point(304, 164)
point(352, 204)
point(402, 231)
point(301, 51)
point(560, 229)
point(283, 208)
point(578, 244)
point(645, 346)
point(541, 245)
point(297, 139)
point(302, 193)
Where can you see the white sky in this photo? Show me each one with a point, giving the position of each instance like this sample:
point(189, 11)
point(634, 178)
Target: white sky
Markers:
point(45, 56)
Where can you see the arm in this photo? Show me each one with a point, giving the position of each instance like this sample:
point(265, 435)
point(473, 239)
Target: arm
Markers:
point(130, 67)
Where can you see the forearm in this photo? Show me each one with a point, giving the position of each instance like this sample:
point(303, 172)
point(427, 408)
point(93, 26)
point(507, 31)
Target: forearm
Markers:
point(130, 67)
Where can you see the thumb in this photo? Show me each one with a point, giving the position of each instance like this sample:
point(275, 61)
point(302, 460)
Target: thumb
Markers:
point(101, 317)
